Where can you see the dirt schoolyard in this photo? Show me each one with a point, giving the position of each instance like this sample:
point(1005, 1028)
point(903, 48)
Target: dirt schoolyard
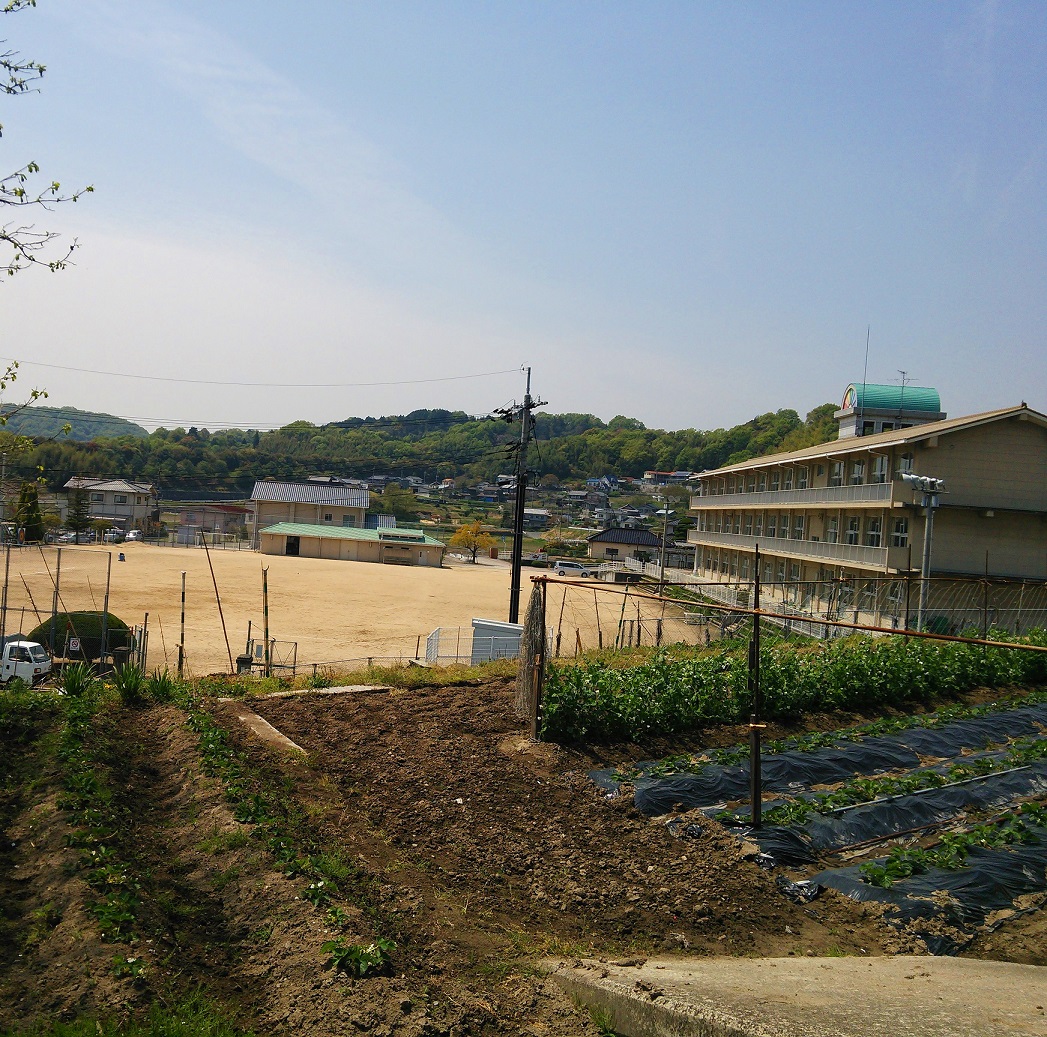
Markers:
point(337, 611)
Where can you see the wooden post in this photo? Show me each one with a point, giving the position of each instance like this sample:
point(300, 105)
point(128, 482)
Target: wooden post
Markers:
point(105, 607)
point(538, 666)
point(3, 603)
point(54, 599)
point(755, 707)
point(181, 635)
point(620, 636)
point(267, 669)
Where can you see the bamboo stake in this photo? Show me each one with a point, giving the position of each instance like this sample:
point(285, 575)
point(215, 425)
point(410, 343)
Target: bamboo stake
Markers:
point(218, 598)
point(181, 637)
point(31, 602)
point(559, 623)
point(265, 621)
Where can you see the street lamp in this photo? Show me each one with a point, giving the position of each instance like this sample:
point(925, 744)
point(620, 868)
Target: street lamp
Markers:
point(930, 488)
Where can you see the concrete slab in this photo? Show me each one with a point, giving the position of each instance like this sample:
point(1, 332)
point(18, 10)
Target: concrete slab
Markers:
point(903, 996)
point(262, 728)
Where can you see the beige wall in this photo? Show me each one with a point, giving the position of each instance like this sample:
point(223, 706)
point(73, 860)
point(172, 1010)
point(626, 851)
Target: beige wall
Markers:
point(354, 550)
point(1016, 543)
point(268, 513)
point(599, 551)
point(998, 465)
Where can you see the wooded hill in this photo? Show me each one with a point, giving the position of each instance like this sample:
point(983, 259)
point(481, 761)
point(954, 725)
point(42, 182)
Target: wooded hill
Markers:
point(82, 426)
point(430, 444)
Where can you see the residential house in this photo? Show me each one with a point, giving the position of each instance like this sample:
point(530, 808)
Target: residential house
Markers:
point(123, 504)
point(616, 545)
point(537, 518)
point(840, 515)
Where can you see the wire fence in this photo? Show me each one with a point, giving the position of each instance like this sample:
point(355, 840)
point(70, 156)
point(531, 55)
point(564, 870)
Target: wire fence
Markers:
point(571, 618)
point(945, 605)
point(43, 580)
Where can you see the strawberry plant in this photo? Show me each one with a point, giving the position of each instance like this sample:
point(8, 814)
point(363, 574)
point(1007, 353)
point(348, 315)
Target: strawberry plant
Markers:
point(357, 959)
point(951, 853)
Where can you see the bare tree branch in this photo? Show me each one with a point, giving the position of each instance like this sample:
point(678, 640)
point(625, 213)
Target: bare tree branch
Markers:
point(26, 245)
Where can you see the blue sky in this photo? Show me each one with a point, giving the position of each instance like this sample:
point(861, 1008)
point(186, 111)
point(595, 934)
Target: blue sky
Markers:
point(688, 213)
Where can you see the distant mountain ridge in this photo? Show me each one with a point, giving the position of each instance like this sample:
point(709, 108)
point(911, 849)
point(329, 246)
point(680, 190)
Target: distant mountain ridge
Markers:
point(85, 425)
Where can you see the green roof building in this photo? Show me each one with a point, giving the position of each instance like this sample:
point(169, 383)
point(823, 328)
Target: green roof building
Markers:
point(869, 408)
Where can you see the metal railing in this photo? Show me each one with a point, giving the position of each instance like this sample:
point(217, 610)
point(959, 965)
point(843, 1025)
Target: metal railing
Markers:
point(873, 557)
point(810, 497)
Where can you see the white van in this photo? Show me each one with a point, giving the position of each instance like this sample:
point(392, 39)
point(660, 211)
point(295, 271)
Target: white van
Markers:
point(564, 568)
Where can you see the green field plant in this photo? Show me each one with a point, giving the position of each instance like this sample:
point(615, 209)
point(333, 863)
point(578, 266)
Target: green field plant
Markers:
point(675, 694)
point(1026, 825)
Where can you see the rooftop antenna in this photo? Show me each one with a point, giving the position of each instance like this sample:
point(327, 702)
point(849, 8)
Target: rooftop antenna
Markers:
point(865, 376)
point(901, 397)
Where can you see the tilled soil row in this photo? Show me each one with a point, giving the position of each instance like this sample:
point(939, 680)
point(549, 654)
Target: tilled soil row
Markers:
point(516, 834)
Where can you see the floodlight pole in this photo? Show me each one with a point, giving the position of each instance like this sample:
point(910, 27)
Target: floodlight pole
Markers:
point(931, 489)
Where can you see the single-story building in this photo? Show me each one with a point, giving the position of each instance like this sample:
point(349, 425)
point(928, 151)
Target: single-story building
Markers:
point(351, 543)
point(615, 545)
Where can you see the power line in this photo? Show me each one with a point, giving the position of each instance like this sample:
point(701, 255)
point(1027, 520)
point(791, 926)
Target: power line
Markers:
point(260, 385)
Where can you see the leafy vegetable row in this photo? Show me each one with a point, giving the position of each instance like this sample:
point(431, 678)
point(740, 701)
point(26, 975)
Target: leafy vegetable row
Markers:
point(667, 696)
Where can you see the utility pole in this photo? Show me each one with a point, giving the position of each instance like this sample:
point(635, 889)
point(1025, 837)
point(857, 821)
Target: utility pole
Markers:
point(3, 498)
point(930, 488)
point(511, 414)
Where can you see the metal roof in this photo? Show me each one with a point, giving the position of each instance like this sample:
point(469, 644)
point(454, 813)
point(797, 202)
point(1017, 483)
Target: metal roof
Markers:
point(385, 536)
point(899, 437)
point(906, 398)
point(81, 482)
point(310, 493)
point(639, 537)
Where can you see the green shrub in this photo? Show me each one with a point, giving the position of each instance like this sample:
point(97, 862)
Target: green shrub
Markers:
point(130, 683)
point(88, 627)
point(160, 685)
point(77, 680)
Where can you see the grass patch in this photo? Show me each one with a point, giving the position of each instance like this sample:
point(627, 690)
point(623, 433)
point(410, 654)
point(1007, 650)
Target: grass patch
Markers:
point(222, 842)
point(193, 1017)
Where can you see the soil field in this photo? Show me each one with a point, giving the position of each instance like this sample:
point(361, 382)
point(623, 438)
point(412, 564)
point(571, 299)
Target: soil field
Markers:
point(336, 611)
point(476, 852)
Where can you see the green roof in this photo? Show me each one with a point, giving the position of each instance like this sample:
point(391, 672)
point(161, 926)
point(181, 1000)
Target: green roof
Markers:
point(869, 396)
point(388, 535)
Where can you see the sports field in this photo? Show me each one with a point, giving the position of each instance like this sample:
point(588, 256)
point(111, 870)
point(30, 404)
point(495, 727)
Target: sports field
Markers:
point(336, 610)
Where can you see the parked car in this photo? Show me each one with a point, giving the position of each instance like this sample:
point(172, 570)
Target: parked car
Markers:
point(564, 568)
point(133, 534)
point(113, 536)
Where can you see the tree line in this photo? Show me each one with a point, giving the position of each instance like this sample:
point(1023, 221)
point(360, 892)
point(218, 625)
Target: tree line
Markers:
point(429, 444)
